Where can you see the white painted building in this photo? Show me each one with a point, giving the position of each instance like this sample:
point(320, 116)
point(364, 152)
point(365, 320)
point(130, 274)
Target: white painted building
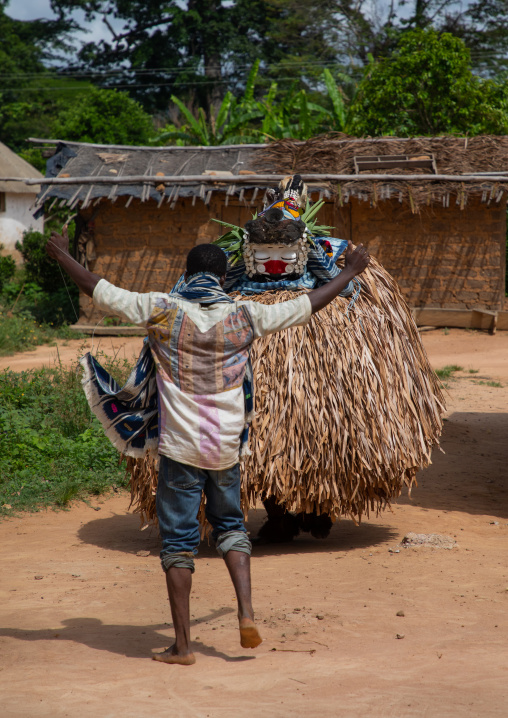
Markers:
point(16, 201)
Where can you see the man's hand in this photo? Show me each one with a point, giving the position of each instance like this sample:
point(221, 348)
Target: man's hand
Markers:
point(356, 263)
point(357, 259)
point(58, 244)
point(58, 248)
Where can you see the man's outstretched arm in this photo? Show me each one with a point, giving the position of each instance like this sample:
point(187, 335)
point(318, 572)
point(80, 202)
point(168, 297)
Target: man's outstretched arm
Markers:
point(58, 248)
point(356, 262)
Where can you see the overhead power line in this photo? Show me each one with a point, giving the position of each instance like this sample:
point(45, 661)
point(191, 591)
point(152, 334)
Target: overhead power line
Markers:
point(475, 55)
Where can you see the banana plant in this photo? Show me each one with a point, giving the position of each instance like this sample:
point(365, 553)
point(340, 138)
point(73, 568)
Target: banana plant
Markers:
point(245, 119)
point(339, 110)
point(231, 124)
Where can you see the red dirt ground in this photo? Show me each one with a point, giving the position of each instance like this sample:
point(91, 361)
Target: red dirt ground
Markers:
point(84, 604)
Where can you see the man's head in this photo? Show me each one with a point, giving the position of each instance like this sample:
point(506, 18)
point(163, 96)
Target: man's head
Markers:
point(207, 258)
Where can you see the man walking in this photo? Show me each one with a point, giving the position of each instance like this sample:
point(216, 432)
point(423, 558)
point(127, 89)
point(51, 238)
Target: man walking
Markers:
point(200, 340)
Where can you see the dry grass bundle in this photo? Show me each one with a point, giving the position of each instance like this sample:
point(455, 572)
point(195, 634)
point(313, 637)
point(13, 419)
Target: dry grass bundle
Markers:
point(454, 155)
point(143, 481)
point(348, 408)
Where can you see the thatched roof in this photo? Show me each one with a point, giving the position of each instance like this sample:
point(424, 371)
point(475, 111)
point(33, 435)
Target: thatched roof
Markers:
point(423, 170)
point(460, 166)
point(12, 167)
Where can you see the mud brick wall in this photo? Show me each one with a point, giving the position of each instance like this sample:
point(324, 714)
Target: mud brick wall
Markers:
point(143, 248)
point(443, 257)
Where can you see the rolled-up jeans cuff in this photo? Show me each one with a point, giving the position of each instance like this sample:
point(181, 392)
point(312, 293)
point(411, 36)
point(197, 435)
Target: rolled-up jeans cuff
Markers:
point(233, 541)
point(182, 559)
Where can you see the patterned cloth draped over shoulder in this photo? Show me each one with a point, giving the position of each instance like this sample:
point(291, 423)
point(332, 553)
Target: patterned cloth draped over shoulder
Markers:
point(129, 415)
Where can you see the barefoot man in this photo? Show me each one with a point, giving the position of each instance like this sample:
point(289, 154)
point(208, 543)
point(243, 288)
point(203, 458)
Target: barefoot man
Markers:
point(200, 340)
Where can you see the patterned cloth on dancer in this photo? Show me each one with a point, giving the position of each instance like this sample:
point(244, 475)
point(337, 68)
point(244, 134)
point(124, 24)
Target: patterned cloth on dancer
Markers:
point(130, 415)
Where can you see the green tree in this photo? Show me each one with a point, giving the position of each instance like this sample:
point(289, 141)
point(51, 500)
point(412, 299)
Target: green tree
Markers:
point(29, 94)
point(104, 117)
point(366, 28)
point(426, 87)
point(51, 298)
point(200, 49)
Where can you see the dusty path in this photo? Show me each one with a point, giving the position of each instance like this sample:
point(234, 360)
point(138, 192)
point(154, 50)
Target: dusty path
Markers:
point(83, 601)
point(469, 349)
point(68, 352)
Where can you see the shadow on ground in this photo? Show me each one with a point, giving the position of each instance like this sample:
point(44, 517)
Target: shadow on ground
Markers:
point(122, 533)
point(472, 474)
point(125, 640)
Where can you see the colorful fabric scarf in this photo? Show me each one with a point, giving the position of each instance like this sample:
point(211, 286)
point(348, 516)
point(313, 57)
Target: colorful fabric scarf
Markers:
point(129, 415)
point(201, 288)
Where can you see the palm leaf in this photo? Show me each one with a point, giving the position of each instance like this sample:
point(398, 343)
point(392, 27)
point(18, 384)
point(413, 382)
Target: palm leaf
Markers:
point(223, 110)
point(339, 109)
point(311, 211)
point(319, 230)
point(248, 95)
point(231, 242)
point(226, 224)
point(174, 135)
point(189, 117)
point(304, 116)
point(204, 133)
point(319, 108)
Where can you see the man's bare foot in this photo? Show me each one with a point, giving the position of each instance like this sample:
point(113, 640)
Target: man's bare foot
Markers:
point(171, 656)
point(249, 634)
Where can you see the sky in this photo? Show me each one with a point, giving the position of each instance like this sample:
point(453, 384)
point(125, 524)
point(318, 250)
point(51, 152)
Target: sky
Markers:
point(40, 9)
point(35, 9)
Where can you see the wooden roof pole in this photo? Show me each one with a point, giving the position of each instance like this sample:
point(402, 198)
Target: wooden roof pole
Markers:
point(258, 178)
point(207, 148)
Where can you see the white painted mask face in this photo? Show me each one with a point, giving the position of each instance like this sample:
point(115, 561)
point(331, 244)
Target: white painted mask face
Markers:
point(275, 259)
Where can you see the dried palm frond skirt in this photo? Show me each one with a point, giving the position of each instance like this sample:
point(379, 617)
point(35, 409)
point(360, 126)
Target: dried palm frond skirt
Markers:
point(348, 409)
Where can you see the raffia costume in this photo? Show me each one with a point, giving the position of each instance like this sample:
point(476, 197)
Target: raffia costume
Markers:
point(347, 408)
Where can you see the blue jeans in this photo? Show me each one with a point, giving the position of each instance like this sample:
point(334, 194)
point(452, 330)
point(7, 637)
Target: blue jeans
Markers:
point(179, 490)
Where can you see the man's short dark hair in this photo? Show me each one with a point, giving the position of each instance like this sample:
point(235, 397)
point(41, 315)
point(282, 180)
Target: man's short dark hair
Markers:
point(207, 258)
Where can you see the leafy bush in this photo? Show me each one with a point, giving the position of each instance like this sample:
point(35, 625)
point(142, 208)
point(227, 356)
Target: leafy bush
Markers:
point(7, 269)
point(426, 87)
point(36, 302)
point(39, 267)
point(52, 448)
point(50, 297)
point(107, 117)
point(21, 332)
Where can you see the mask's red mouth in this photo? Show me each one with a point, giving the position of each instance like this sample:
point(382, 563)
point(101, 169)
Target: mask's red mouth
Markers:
point(275, 266)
